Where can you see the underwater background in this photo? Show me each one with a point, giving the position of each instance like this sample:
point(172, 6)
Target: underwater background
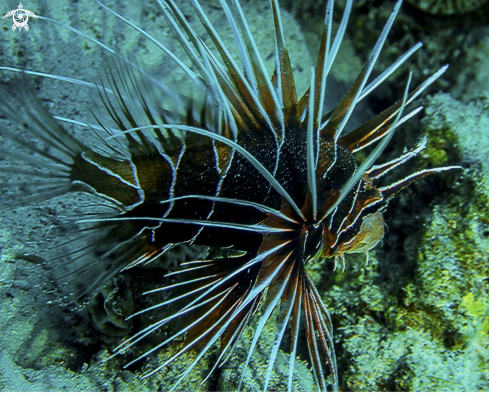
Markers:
point(415, 318)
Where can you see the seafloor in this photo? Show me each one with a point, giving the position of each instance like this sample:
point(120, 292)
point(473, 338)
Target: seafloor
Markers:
point(415, 318)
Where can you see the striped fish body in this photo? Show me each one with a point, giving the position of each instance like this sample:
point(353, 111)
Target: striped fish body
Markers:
point(145, 185)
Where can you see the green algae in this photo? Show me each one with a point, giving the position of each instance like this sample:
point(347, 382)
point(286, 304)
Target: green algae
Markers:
point(440, 143)
point(427, 330)
point(428, 335)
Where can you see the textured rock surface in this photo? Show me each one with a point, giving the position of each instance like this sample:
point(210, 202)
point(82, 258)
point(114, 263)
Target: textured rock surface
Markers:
point(414, 318)
point(427, 329)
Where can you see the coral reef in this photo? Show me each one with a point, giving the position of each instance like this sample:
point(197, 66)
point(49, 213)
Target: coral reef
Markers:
point(429, 332)
point(414, 320)
point(447, 7)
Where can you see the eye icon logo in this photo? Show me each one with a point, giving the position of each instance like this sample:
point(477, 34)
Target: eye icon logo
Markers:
point(20, 16)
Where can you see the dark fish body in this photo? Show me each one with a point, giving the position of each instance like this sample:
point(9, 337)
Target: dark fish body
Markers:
point(247, 165)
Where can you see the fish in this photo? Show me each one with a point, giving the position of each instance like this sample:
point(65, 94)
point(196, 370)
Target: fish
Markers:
point(244, 166)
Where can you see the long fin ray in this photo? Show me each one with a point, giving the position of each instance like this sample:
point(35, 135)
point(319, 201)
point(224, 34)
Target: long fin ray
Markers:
point(177, 60)
point(183, 330)
point(371, 131)
point(273, 297)
point(188, 346)
point(245, 91)
point(267, 93)
point(294, 333)
point(341, 115)
point(389, 191)
point(368, 162)
point(311, 160)
point(257, 206)
point(285, 313)
point(287, 85)
point(380, 170)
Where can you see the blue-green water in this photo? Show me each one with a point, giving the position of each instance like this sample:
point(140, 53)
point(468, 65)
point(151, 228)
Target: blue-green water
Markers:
point(415, 317)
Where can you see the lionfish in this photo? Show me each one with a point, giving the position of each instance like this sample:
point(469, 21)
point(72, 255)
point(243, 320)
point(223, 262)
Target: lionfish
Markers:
point(247, 165)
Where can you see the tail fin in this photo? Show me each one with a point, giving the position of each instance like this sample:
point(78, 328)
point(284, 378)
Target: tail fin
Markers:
point(40, 160)
point(36, 162)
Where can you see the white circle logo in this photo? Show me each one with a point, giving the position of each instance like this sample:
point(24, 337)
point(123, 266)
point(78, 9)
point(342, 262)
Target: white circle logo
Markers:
point(20, 17)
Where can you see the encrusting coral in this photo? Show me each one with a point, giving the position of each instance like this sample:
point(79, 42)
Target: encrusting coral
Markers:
point(428, 329)
point(429, 334)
